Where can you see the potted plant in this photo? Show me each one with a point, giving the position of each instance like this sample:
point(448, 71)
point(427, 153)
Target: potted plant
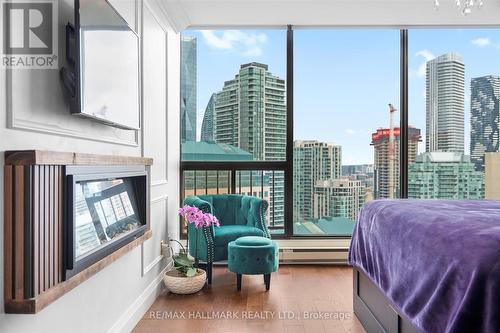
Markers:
point(186, 277)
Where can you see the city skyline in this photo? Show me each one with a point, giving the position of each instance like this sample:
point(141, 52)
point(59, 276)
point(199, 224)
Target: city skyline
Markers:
point(247, 110)
point(268, 46)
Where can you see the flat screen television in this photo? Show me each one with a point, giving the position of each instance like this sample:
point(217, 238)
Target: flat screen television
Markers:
point(106, 65)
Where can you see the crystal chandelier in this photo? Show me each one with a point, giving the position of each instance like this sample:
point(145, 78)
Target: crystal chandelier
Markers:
point(465, 6)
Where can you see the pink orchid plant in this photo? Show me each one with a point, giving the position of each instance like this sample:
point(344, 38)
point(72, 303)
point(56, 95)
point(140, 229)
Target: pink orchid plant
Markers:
point(199, 219)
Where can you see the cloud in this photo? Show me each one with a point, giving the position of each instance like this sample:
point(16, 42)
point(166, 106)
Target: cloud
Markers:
point(245, 43)
point(350, 131)
point(481, 42)
point(428, 55)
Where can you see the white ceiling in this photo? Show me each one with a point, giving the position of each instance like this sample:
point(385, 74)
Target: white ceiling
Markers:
point(184, 14)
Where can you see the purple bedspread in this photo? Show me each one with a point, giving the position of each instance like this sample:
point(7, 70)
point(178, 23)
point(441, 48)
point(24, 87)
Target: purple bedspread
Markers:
point(438, 261)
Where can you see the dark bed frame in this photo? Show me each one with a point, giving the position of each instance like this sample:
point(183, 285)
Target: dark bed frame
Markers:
point(374, 310)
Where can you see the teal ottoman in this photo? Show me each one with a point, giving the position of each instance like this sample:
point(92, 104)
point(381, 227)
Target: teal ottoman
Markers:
point(253, 255)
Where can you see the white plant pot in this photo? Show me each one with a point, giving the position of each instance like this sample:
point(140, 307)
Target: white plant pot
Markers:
point(178, 284)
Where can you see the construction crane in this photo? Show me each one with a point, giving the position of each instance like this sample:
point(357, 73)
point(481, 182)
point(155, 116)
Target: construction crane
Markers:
point(392, 152)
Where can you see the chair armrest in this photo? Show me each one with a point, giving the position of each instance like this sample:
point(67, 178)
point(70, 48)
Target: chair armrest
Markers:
point(204, 235)
point(258, 209)
point(205, 243)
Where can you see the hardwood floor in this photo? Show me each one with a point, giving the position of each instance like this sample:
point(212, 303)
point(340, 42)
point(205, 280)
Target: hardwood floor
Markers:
point(296, 292)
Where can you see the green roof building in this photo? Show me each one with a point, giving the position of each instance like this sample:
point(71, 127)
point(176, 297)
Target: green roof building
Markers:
point(339, 226)
point(444, 175)
point(214, 181)
point(211, 151)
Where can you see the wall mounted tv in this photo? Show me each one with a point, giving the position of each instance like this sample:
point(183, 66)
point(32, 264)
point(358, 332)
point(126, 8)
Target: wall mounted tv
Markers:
point(103, 51)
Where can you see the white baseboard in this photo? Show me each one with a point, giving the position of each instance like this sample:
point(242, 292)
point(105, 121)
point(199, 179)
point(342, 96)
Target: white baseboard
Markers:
point(136, 311)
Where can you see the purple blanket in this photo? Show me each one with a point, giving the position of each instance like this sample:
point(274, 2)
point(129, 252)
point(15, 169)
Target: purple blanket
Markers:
point(438, 261)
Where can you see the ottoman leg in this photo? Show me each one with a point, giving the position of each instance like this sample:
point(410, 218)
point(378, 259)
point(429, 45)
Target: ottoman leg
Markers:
point(267, 280)
point(238, 281)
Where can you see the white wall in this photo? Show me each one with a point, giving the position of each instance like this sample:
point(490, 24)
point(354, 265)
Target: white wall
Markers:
point(35, 115)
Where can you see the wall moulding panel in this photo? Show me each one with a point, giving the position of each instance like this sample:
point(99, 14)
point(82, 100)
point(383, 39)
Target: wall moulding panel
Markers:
point(34, 228)
point(154, 59)
point(37, 102)
point(52, 115)
point(151, 252)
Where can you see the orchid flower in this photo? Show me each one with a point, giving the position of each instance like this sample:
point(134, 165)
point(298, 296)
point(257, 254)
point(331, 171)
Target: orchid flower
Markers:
point(197, 217)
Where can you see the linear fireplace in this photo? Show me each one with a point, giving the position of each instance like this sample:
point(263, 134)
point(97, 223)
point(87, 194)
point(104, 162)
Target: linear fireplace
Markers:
point(67, 216)
point(106, 208)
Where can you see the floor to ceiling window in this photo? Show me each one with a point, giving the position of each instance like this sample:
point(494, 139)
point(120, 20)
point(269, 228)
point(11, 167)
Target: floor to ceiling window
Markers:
point(318, 122)
point(344, 154)
point(454, 92)
point(233, 111)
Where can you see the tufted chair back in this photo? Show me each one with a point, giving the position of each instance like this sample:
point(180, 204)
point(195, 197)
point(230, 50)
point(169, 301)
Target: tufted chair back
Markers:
point(234, 209)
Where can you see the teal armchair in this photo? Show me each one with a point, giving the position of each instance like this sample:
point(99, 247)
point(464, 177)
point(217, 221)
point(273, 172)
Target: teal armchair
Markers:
point(238, 215)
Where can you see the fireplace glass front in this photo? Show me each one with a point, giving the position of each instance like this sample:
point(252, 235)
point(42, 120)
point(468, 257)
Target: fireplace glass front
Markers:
point(107, 212)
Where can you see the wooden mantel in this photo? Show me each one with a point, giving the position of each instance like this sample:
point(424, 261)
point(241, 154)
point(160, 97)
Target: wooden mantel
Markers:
point(34, 197)
point(45, 157)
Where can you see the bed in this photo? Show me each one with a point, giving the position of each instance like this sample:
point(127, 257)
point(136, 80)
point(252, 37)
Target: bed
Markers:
point(427, 266)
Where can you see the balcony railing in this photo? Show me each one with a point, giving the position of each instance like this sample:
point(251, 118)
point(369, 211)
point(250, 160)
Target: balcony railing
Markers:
point(256, 179)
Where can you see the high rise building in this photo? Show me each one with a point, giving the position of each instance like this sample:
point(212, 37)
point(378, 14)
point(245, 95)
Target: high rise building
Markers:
point(338, 198)
point(445, 104)
point(444, 175)
point(250, 113)
point(485, 118)
point(188, 88)
point(363, 173)
point(312, 161)
point(380, 143)
point(207, 127)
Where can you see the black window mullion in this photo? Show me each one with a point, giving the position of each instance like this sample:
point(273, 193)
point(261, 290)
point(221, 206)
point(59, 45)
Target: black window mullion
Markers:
point(403, 136)
point(288, 172)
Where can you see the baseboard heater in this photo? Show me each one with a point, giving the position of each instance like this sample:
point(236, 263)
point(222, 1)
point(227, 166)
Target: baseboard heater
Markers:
point(313, 256)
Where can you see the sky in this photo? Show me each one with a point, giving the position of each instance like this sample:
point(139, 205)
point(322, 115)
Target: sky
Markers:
point(344, 79)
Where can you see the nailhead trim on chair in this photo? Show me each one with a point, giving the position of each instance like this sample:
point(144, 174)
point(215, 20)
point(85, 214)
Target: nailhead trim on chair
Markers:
point(263, 210)
point(210, 245)
point(210, 241)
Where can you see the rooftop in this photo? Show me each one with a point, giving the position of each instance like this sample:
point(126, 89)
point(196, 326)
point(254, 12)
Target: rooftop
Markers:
point(211, 151)
point(340, 226)
point(255, 64)
point(442, 157)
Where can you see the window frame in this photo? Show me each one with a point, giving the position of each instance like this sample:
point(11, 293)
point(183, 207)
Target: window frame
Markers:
point(287, 165)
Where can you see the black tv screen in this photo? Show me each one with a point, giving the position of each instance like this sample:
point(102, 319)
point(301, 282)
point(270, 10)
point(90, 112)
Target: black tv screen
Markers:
point(107, 65)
